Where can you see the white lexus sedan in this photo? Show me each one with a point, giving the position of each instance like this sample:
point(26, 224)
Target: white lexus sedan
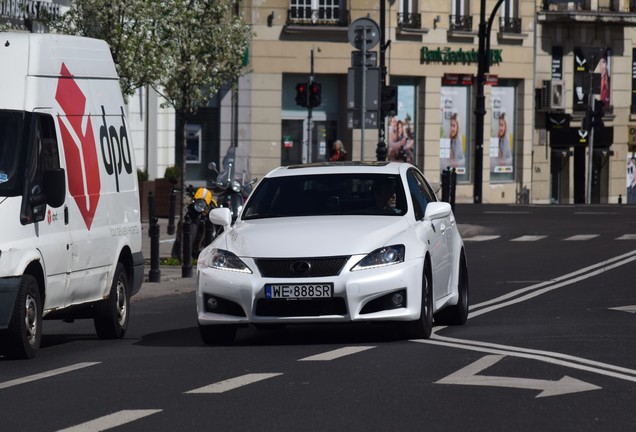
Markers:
point(335, 243)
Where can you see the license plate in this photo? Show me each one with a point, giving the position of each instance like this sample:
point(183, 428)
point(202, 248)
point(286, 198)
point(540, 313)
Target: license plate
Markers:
point(299, 291)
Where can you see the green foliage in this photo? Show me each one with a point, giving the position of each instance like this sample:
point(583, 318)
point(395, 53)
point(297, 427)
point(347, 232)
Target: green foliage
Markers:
point(142, 175)
point(172, 173)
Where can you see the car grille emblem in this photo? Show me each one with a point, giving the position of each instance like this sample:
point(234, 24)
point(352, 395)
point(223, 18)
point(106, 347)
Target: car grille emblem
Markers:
point(300, 267)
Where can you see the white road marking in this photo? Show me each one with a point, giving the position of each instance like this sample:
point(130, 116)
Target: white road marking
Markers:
point(544, 356)
point(479, 238)
point(112, 420)
point(341, 352)
point(527, 238)
point(629, 309)
point(46, 374)
point(544, 287)
point(581, 237)
point(564, 360)
point(468, 376)
point(233, 383)
point(627, 237)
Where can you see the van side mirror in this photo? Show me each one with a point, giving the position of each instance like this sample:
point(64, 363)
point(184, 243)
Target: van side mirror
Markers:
point(55, 186)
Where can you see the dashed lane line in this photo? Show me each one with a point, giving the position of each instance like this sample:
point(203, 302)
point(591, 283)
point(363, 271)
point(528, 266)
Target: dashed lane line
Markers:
point(46, 374)
point(233, 383)
point(529, 238)
point(341, 352)
point(581, 237)
point(112, 420)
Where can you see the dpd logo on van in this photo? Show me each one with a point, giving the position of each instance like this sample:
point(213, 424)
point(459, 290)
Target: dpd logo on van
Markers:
point(80, 151)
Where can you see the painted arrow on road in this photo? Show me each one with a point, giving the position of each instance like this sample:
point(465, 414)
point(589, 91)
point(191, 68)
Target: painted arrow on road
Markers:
point(468, 376)
point(630, 309)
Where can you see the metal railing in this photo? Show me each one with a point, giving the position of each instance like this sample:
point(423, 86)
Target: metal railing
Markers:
point(510, 25)
point(316, 17)
point(409, 20)
point(460, 23)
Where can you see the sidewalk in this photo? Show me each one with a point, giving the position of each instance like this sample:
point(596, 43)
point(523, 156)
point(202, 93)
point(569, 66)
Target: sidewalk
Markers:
point(171, 281)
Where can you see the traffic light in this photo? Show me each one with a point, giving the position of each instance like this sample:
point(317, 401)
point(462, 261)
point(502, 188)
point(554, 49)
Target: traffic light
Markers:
point(389, 100)
point(301, 94)
point(314, 94)
point(597, 114)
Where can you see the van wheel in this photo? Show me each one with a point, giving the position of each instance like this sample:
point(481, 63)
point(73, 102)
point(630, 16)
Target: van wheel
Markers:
point(23, 336)
point(111, 315)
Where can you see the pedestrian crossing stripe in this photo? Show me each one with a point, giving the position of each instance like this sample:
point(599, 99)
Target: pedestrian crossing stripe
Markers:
point(531, 238)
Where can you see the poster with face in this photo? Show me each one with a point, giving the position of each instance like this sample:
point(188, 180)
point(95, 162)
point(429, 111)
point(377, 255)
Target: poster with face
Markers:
point(631, 179)
point(401, 133)
point(453, 134)
point(502, 103)
point(603, 69)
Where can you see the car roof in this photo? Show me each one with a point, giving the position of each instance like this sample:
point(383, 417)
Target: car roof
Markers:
point(350, 167)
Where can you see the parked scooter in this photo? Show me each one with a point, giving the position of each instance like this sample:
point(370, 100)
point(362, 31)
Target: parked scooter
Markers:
point(197, 205)
point(232, 185)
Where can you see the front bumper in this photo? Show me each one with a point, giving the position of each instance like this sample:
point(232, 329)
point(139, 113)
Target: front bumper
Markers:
point(243, 298)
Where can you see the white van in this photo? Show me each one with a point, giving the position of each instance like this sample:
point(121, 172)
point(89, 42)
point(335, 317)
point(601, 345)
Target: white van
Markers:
point(70, 231)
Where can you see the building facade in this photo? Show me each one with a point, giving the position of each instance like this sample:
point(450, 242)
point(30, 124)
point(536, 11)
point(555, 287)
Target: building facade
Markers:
point(550, 63)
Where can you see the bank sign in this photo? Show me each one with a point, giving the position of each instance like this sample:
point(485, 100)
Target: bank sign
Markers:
point(449, 56)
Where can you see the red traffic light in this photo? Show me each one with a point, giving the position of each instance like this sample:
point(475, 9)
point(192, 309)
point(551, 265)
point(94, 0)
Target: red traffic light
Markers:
point(301, 94)
point(315, 96)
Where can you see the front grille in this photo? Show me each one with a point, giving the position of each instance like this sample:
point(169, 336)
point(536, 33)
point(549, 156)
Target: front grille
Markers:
point(289, 268)
point(293, 308)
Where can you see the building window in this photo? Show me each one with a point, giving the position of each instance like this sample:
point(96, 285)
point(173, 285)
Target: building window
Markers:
point(509, 21)
point(408, 15)
point(316, 12)
point(460, 18)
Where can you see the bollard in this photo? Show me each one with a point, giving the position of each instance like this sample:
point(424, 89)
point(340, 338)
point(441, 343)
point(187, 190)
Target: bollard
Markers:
point(453, 186)
point(209, 232)
point(155, 273)
point(186, 259)
point(620, 199)
point(171, 211)
point(152, 214)
point(445, 184)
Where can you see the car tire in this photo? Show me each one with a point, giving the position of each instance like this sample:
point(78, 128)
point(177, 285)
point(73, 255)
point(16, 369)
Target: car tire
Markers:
point(111, 315)
point(217, 334)
point(22, 337)
point(422, 327)
point(457, 314)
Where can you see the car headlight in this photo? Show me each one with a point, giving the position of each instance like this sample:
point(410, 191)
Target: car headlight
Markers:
point(225, 260)
point(384, 256)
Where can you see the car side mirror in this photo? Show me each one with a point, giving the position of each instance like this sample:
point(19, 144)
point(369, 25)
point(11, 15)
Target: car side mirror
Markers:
point(437, 210)
point(55, 186)
point(221, 216)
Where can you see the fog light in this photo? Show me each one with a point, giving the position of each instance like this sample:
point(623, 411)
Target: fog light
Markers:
point(397, 299)
point(212, 303)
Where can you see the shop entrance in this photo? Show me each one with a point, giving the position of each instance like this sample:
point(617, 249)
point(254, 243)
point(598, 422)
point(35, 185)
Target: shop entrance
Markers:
point(560, 176)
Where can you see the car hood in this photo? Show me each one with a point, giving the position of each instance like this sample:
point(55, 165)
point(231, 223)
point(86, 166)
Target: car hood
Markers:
point(311, 236)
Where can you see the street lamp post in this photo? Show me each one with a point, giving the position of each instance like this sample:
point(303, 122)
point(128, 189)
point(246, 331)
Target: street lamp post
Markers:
point(483, 67)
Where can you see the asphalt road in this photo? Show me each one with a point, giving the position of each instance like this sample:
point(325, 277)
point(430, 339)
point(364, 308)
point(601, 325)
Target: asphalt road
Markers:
point(549, 345)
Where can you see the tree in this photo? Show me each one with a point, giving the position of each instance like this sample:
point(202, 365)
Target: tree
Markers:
point(131, 30)
point(205, 41)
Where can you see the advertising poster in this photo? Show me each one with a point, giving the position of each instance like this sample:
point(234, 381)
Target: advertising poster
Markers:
point(502, 103)
point(453, 135)
point(631, 179)
point(401, 133)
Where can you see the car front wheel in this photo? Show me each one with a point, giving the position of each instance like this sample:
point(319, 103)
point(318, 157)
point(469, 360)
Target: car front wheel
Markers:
point(422, 327)
point(457, 314)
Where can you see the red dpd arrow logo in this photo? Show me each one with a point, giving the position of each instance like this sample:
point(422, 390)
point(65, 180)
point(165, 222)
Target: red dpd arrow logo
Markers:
point(82, 167)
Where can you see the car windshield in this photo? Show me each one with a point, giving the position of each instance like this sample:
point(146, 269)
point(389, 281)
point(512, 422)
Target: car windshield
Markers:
point(11, 126)
point(327, 194)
